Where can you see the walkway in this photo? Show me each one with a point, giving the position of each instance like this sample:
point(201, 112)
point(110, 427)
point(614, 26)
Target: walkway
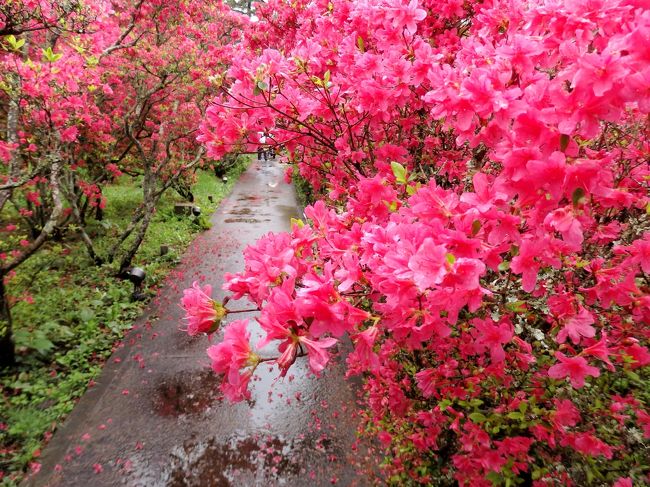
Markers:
point(152, 418)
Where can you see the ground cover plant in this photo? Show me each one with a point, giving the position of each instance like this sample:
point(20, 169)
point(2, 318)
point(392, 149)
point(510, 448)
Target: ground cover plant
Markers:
point(482, 229)
point(69, 315)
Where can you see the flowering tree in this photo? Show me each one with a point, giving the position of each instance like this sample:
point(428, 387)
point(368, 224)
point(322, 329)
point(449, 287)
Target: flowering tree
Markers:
point(89, 92)
point(43, 93)
point(158, 82)
point(482, 233)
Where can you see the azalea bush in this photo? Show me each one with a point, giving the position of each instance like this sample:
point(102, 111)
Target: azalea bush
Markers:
point(482, 231)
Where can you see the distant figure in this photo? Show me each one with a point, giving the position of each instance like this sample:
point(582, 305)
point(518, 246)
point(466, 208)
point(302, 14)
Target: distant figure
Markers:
point(260, 150)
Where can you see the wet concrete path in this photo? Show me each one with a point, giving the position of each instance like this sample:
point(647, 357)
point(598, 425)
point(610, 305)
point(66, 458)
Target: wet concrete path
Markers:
point(153, 418)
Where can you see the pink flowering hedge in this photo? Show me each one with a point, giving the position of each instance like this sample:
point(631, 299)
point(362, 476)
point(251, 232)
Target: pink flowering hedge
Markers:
point(482, 233)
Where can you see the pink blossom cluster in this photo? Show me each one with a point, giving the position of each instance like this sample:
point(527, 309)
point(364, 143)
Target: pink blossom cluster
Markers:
point(203, 314)
point(482, 226)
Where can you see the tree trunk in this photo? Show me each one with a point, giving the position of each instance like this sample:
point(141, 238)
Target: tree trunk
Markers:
point(137, 216)
point(7, 348)
point(149, 200)
point(79, 218)
point(13, 114)
point(139, 237)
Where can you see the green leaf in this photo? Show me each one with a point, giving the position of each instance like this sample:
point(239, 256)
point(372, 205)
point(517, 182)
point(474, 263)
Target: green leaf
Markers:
point(516, 306)
point(476, 227)
point(577, 195)
point(14, 43)
point(515, 415)
point(564, 142)
point(86, 314)
point(36, 340)
point(478, 417)
point(392, 206)
point(504, 266)
point(444, 404)
point(360, 44)
point(49, 55)
point(327, 76)
point(262, 85)
point(399, 171)
point(451, 258)
point(42, 344)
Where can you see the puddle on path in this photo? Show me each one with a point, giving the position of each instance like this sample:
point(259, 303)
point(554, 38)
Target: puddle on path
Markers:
point(189, 393)
point(243, 220)
point(249, 198)
point(238, 461)
point(241, 211)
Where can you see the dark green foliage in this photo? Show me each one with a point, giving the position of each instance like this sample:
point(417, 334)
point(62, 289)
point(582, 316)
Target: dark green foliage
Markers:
point(304, 190)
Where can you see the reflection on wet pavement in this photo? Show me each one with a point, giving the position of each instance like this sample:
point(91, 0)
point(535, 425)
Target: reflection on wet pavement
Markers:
point(238, 461)
point(186, 394)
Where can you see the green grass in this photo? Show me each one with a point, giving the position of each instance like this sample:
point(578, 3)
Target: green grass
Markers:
point(78, 313)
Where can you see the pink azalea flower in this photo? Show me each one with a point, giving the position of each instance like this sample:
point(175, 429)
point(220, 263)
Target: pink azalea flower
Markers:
point(203, 314)
point(69, 134)
point(235, 389)
point(598, 72)
point(492, 336)
point(408, 16)
point(577, 326)
point(564, 221)
point(623, 482)
point(230, 356)
point(318, 356)
point(467, 273)
point(288, 356)
point(526, 265)
point(641, 252)
point(639, 354)
point(429, 264)
point(575, 368)
point(566, 414)
point(600, 351)
point(363, 357)
point(426, 380)
point(588, 444)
